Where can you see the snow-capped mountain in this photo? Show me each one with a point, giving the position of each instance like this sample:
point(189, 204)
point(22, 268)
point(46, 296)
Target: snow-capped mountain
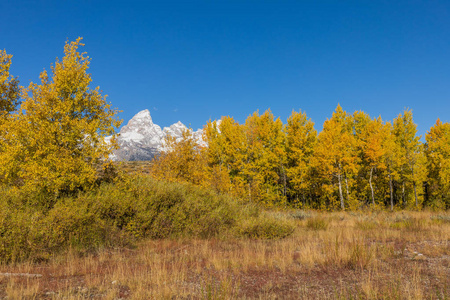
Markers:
point(141, 139)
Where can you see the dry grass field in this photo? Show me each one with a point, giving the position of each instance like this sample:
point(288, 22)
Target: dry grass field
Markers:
point(351, 255)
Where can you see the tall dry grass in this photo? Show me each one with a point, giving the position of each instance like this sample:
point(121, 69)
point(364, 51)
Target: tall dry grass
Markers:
point(402, 255)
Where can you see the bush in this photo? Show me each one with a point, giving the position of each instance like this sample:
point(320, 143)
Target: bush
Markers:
point(116, 214)
point(440, 219)
point(300, 215)
point(264, 226)
point(317, 223)
point(37, 235)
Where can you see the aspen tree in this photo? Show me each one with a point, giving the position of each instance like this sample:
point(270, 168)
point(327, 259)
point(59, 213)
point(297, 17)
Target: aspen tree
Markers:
point(266, 158)
point(334, 155)
point(301, 138)
point(438, 163)
point(9, 99)
point(182, 161)
point(411, 154)
point(371, 141)
point(226, 153)
point(9, 87)
point(359, 123)
point(58, 139)
point(391, 159)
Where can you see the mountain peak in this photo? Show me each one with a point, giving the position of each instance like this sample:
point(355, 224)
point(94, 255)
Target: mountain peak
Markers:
point(141, 139)
point(143, 114)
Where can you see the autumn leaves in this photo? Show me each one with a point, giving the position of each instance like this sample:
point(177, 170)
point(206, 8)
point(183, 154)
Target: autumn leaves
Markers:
point(355, 161)
point(55, 138)
point(54, 141)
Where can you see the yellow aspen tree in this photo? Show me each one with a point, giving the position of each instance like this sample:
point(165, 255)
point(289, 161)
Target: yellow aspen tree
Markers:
point(9, 87)
point(253, 176)
point(301, 138)
point(266, 158)
point(374, 150)
point(181, 160)
point(411, 156)
point(215, 156)
point(59, 135)
point(9, 99)
point(437, 151)
point(335, 154)
point(392, 160)
point(371, 135)
point(360, 121)
point(226, 154)
point(236, 154)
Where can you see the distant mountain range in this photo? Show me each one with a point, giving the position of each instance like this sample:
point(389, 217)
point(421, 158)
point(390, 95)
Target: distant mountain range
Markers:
point(141, 139)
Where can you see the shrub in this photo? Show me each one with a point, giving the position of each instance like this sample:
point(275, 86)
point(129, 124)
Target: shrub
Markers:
point(441, 219)
point(116, 214)
point(264, 226)
point(300, 215)
point(317, 223)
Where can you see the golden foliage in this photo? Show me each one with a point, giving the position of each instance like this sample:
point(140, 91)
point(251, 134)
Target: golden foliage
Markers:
point(9, 87)
point(355, 161)
point(57, 137)
point(437, 151)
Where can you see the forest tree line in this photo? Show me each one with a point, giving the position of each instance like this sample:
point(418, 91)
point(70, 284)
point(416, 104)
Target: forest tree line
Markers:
point(52, 139)
point(355, 161)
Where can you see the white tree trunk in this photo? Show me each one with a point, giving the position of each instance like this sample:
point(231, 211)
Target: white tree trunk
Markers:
point(371, 187)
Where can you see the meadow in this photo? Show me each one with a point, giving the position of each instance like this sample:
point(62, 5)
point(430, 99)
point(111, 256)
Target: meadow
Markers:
point(338, 255)
point(216, 222)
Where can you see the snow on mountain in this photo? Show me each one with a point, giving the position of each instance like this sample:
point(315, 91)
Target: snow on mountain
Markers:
point(175, 130)
point(141, 139)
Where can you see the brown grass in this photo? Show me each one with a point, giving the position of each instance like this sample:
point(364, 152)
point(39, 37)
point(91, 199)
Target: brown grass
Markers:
point(403, 255)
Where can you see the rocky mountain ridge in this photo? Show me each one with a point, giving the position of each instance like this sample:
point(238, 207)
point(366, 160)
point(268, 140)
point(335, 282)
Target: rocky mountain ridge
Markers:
point(141, 139)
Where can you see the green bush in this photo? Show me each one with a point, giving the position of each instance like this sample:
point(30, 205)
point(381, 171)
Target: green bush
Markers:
point(264, 226)
point(116, 214)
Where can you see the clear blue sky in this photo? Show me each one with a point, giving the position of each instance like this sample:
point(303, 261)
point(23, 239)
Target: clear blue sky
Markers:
point(196, 60)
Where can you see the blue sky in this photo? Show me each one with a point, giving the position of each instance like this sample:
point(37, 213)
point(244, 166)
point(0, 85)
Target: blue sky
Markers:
point(198, 60)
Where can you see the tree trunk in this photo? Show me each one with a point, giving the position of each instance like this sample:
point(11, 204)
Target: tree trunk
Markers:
point(414, 186)
point(371, 187)
point(340, 192)
point(391, 190)
point(415, 193)
point(403, 194)
point(346, 186)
